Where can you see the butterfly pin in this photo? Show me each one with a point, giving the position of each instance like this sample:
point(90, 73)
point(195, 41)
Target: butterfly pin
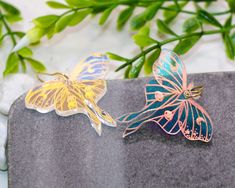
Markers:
point(77, 93)
point(170, 102)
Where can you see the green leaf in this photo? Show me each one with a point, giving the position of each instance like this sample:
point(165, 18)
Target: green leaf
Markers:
point(116, 57)
point(206, 17)
point(106, 14)
point(0, 29)
point(19, 34)
point(208, 3)
point(228, 22)
point(35, 34)
point(45, 21)
point(190, 25)
point(56, 5)
point(124, 16)
point(144, 30)
point(73, 2)
point(50, 31)
point(231, 4)
point(148, 65)
point(25, 52)
point(233, 39)
point(185, 45)
point(10, 9)
point(127, 71)
point(63, 22)
point(169, 15)
point(79, 16)
point(23, 65)
point(143, 40)
point(163, 28)
point(229, 48)
point(13, 18)
point(135, 69)
point(12, 64)
point(151, 11)
point(36, 65)
point(98, 9)
point(139, 20)
point(80, 3)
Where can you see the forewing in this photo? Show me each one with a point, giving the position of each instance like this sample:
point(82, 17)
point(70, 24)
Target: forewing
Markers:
point(198, 124)
point(170, 72)
point(92, 68)
point(42, 98)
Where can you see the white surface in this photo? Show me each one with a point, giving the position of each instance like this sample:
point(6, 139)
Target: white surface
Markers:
point(3, 180)
point(65, 50)
point(3, 131)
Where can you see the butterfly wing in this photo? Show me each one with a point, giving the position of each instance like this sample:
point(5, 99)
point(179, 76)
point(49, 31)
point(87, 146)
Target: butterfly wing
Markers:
point(92, 68)
point(169, 121)
point(197, 124)
point(171, 80)
point(70, 101)
point(93, 90)
point(156, 96)
point(91, 73)
point(170, 72)
point(42, 98)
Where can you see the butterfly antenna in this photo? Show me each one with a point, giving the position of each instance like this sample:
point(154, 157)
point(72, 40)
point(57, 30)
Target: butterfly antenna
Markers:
point(51, 74)
point(38, 77)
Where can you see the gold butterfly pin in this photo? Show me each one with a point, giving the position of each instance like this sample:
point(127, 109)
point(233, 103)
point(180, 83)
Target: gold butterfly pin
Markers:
point(77, 93)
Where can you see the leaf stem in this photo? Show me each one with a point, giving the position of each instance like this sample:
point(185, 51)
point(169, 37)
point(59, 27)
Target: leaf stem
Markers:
point(194, 13)
point(13, 39)
point(8, 29)
point(136, 3)
point(179, 37)
point(7, 34)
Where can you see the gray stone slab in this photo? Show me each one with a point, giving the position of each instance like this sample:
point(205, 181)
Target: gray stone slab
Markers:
point(48, 151)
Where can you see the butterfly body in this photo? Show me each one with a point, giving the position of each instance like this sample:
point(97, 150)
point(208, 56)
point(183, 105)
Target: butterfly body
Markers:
point(78, 93)
point(170, 102)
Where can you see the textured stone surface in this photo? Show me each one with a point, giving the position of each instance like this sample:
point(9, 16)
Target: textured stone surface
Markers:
point(45, 150)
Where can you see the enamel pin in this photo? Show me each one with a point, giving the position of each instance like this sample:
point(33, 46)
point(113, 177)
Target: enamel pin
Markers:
point(170, 102)
point(77, 93)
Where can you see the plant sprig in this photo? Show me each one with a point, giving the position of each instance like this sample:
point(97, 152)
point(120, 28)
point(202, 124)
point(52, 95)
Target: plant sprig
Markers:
point(193, 28)
point(9, 15)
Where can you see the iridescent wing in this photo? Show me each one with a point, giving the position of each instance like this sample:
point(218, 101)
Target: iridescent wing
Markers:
point(185, 116)
point(170, 72)
point(93, 90)
point(95, 122)
point(69, 102)
point(55, 95)
point(42, 97)
point(168, 117)
point(197, 124)
point(171, 80)
point(156, 96)
point(91, 73)
point(94, 67)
